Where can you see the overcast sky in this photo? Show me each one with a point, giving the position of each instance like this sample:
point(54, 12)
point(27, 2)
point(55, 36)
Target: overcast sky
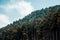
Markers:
point(12, 10)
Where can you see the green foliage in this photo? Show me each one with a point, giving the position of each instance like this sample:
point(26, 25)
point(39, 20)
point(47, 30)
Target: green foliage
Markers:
point(33, 26)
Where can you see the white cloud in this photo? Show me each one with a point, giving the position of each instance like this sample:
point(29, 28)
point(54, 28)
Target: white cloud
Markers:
point(23, 7)
point(4, 20)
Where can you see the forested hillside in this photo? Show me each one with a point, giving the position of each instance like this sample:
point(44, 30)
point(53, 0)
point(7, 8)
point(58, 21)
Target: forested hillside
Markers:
point(34, 26)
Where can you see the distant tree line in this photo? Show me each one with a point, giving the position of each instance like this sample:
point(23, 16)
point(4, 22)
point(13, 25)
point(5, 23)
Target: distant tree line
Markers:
point(34, 26)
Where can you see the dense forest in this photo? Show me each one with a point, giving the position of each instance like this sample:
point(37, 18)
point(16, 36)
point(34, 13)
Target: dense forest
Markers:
point(35, 26)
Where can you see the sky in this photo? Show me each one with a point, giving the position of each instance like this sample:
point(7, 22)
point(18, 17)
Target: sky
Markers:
point(12, 10)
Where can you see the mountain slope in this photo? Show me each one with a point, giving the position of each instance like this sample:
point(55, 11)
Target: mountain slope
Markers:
point(34, 25)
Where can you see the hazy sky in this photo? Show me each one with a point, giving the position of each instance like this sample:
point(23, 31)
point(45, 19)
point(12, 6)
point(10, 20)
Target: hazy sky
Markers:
point(12, 10)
